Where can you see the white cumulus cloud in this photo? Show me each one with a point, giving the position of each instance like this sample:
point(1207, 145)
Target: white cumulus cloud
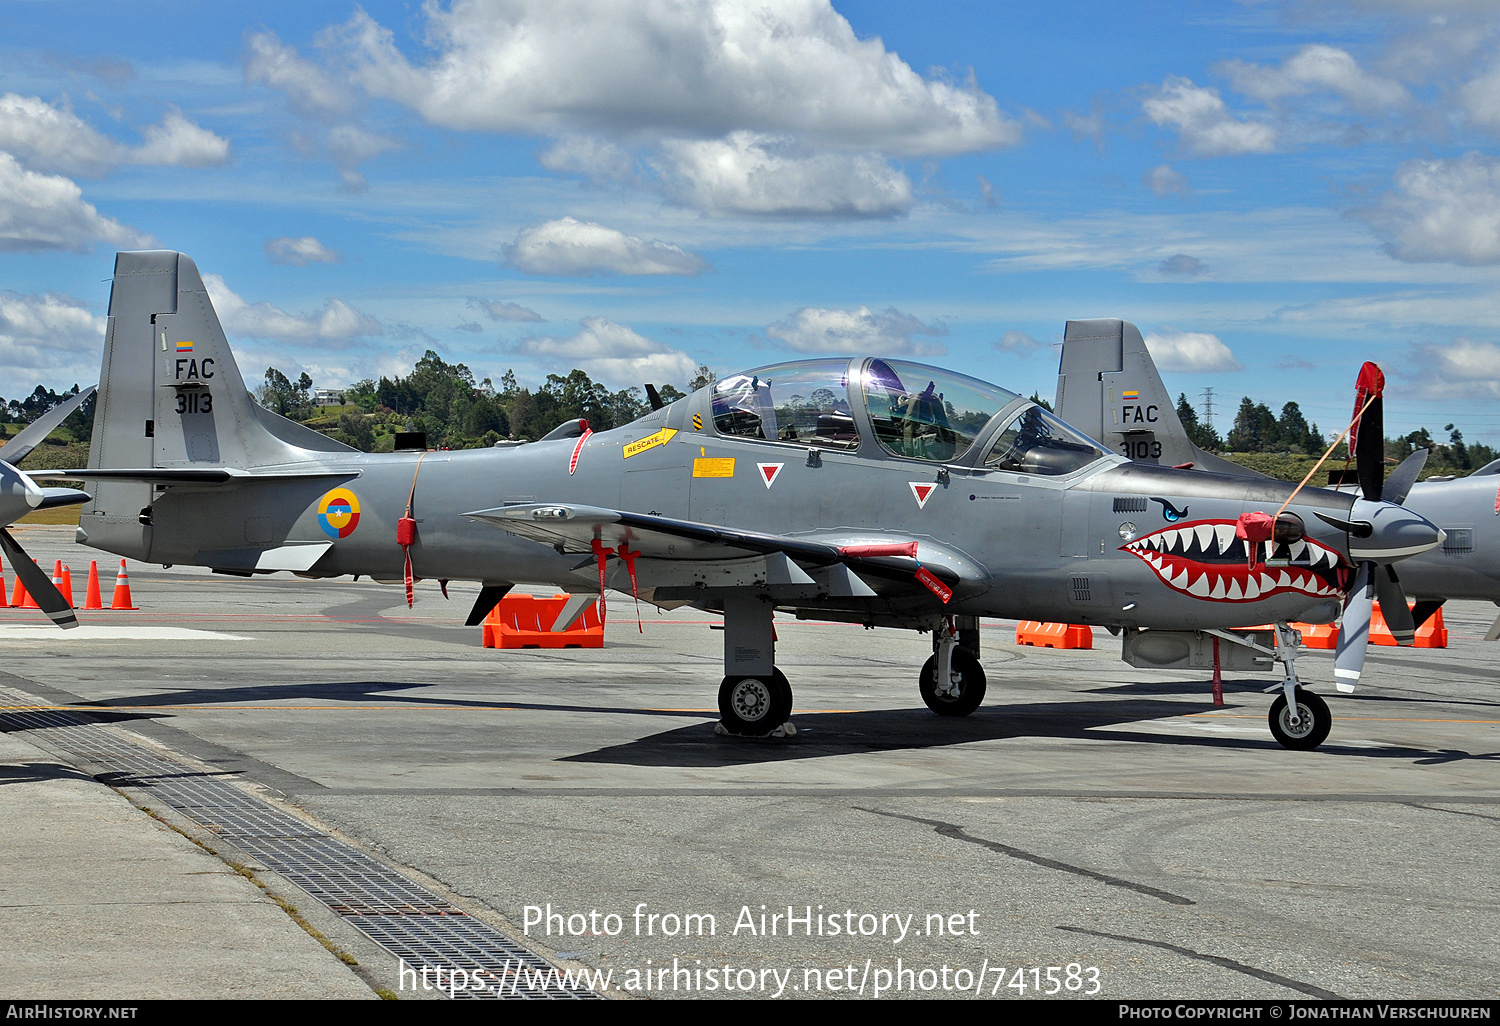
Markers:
point(40, 211)
point(1318, 68)
point(1463, 369)
point(49, 138)
point(300, 252)
point(589, 155)
point(308, 88)
point(1164, 181)
point(336, 322)
point(1018, 342)
point(497, 310)
point(48, 336)
point(1205, 126)
point(1446, 210)
point(614, 354)
point(751, 174)
point(178, 142)
point(1193, 351)
point(568, 246)
point(861, 330)
point(692, 70)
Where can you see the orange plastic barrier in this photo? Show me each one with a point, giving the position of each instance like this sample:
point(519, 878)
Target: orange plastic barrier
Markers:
point(1318, 635)
point(1054, 635)
point(1431, 634)
point(526, 621)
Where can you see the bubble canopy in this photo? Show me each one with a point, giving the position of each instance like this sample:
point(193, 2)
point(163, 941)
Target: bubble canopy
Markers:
point(916, 412)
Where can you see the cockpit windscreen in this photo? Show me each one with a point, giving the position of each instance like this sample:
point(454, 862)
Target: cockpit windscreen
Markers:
point(926, 413)
point(1036, 442)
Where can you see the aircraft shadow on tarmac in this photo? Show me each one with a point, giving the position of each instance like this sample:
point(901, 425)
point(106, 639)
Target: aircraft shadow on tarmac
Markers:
point(829, 734)
point(819, 735)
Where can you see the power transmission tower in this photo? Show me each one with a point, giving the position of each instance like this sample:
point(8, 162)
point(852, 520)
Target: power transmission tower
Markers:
point(1208, 407)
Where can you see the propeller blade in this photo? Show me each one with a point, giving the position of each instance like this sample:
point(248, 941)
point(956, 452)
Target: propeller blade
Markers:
point(1354, 634)
point(1404, 476)
point(32, 434)
point(1357, 528)
point(37, 583)
point(1392, 599)
point(1368, 438)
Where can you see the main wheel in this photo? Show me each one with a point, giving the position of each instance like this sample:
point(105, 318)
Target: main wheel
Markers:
point(968, 679)
point(1313, 721)
point(755, 706)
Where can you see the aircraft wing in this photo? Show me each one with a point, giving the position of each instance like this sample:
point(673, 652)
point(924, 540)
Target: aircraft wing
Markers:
point(184, 475)
point(575, 528)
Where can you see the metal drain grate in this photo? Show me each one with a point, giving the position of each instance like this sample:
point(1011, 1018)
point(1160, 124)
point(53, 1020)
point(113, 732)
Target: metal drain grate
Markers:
point(403, 917)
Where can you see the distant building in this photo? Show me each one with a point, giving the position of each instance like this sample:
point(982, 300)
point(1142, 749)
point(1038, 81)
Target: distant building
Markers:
point(328, 397)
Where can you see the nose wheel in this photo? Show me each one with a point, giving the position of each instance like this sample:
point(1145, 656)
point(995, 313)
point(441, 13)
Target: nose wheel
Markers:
point(755, 706)
point(1313, 721)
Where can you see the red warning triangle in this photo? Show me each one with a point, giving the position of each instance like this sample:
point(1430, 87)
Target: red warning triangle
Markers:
point(768, 472)
point(923, 491)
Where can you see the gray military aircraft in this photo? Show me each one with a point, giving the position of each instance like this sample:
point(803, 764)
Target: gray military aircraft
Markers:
point(1109, 387)
point(873, 491)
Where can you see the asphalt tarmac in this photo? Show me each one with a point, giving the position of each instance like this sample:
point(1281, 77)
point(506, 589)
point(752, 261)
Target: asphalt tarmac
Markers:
point(1102, 829)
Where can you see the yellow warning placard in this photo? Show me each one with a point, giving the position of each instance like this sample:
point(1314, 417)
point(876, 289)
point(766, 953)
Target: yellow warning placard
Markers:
point(640, 445)
point(713, 466)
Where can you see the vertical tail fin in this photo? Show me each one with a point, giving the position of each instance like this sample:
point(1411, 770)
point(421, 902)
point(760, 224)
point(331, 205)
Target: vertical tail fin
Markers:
point(1108, 387)
point(171, 395)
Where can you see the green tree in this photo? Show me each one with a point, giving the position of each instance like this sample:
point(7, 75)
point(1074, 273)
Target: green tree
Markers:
point(355, 429)
point(281, 395)
point(1200, 434)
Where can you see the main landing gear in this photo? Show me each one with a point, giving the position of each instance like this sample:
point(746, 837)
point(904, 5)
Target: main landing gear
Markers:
point(755, 698)
point(952, 681)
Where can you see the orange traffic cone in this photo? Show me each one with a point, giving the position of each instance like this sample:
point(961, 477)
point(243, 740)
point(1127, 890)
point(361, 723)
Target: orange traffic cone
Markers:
point(3, 602)
point(63, 578)
point(18, 596)
point(122, 591)
point(27, 601)
point(93, 600)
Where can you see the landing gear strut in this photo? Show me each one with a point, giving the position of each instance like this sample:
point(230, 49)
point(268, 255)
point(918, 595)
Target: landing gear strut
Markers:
point(1300, 720)
point(952, 681)
point(755, 697)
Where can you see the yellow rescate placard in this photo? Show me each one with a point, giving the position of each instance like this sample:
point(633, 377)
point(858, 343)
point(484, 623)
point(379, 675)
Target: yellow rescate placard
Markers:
point(714, 466)
point(661, 437)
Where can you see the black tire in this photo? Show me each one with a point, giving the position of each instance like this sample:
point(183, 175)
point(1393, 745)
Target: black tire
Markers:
point(755, 706)
point(971, 685)
point(1315, 723)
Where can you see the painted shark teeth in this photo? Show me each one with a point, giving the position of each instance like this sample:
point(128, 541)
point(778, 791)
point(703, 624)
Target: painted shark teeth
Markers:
point(1209, 561)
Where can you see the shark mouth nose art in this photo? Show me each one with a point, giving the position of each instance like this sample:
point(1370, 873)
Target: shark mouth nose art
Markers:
point(1206, 560)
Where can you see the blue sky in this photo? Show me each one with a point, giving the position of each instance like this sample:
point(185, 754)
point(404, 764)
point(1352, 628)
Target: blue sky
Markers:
point(1273, 190)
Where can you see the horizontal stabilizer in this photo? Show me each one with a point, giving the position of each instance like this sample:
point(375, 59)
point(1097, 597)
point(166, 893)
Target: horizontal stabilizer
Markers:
point(296, 558)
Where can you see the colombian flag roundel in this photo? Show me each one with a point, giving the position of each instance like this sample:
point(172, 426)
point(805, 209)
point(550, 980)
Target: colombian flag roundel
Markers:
point(338, 513)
